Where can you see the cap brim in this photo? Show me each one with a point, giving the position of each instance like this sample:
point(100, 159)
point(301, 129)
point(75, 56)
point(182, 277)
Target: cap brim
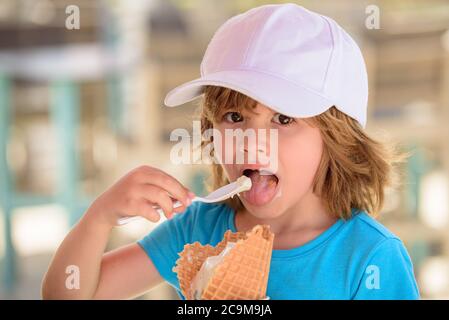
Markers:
point(281, 95)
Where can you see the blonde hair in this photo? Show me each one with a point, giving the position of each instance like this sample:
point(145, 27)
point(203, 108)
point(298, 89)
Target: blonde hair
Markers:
point(354, 170)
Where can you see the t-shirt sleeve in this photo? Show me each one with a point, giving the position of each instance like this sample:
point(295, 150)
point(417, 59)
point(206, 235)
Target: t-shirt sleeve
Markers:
point(163, 243)
point(388, 274)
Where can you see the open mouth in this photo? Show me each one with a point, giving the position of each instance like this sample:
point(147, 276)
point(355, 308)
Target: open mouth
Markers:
point(264, 186)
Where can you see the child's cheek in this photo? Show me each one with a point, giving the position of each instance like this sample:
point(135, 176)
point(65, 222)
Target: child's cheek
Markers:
point(300, 163)
point(219, 145)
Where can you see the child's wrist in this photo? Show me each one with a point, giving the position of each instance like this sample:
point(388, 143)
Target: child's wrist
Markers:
point(97, 216)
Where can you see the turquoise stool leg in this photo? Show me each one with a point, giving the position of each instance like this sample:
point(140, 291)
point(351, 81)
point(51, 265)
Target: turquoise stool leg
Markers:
point(115, 104)
point(419, 251)
point(65, 111)
point(6, 185)
point(417, 166)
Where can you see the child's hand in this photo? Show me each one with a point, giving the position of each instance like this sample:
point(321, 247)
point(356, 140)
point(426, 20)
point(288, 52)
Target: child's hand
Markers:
point(137, 192)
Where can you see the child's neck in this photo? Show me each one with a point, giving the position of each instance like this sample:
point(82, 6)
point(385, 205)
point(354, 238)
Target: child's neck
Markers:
point(297, 225)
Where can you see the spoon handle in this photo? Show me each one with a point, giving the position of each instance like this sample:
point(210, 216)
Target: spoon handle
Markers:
point(125, 220)
point(215, 198)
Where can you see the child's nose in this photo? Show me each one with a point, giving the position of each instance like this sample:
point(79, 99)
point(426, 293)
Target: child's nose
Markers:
point(256, 149)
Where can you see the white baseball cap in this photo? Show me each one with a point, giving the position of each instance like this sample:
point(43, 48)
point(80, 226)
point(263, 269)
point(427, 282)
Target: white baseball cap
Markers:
point(295, 61)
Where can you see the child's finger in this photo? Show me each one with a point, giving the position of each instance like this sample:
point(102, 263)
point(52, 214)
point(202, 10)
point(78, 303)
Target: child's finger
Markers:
point(148, 212)
point(157, 196)
point(179, 209)
point(170, 184)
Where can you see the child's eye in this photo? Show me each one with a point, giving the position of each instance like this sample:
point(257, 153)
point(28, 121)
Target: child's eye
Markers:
point(233, 117)
point(281, 119)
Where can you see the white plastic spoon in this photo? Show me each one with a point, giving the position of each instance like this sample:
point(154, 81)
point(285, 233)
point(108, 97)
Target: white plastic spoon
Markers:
point(240, 185)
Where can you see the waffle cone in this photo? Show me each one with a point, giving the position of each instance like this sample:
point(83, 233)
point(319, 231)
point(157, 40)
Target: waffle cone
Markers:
point(241, 275)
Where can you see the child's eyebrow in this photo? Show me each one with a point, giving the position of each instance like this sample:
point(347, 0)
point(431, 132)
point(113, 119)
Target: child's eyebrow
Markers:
point(238, 108)
point(246, 109)
point(251, 110)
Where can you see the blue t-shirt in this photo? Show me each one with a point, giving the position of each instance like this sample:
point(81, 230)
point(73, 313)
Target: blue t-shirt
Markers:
point(354, 259)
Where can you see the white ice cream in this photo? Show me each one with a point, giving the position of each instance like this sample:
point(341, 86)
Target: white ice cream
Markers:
point(245, 183)
point(206, 271)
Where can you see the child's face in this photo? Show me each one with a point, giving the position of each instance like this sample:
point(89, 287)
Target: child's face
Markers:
point(298, 151)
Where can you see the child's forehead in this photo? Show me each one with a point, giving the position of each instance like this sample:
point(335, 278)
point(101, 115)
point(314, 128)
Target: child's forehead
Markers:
point(259, 109)
point(252, 106)
point(228, 99)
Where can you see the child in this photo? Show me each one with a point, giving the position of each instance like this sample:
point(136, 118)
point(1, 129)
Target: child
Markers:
point(276, 67)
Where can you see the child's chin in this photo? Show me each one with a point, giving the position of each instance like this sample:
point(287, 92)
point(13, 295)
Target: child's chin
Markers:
point(267, 211)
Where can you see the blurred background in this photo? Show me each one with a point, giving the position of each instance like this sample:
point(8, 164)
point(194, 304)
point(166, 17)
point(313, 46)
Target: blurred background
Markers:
point(81, 107)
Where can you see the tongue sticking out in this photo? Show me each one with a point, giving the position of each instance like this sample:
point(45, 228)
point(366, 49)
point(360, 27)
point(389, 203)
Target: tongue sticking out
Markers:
point(263, 187)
